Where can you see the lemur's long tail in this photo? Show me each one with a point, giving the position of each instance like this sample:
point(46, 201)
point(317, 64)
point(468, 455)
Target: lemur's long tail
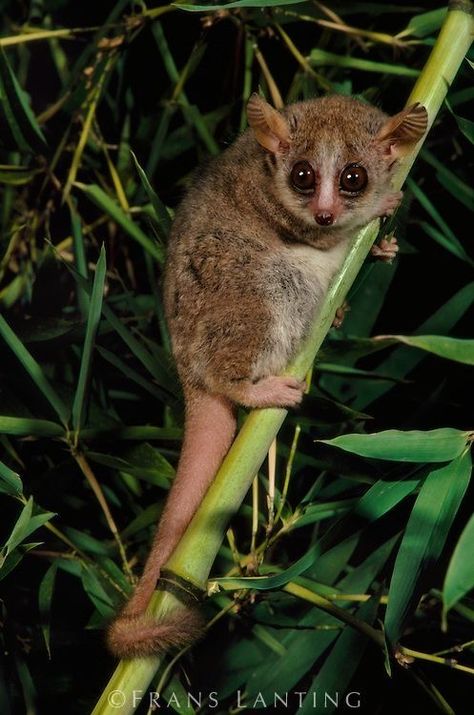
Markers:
point(139, 636)
point(209, 430)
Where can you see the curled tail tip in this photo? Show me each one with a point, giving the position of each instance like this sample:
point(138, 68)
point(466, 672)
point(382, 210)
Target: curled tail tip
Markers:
point(138, 636)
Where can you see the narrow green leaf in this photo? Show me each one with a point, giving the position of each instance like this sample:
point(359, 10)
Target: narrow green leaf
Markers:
point(177, 697)
point(426, 23)
point(235, 3)
point(162, 216)
point(307, 643)
point(95, 311)
point(10, 482)
point(317, 512)
point(447, 237)
point(438, 445)
point(355, 372)
point(447, 243)
point(96, 592)
point(382, 497)
point(449, 180)
point(87, 543)
point(434, 511)
point(45, 596)
point(16, 175)
point(466, 126)
point(403, 360)
point(182, 139)
point(147, 517)
point(16, 112)
point(158, 474)
point(441, 345)
point(135, 432)
point(26, 427)
point(339, 667)
point(459, 578)
point(132, 374)
point(18, 532)
point(25, 525)
point(83, 298)
point(34, 370)
point(162, 373)
point(190, 112)
point(159, 372)
point(265, 583)
point(321, 58)
point(104, 202)
point(8, 564)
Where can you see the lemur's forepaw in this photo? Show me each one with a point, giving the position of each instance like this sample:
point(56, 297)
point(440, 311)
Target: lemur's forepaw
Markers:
point(386, 250)
point(340, 315)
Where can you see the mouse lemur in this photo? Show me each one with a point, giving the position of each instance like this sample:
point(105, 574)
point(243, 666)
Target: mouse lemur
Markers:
point(253, 247)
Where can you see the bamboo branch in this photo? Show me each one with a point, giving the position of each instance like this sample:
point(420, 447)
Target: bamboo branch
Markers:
point(194, 556)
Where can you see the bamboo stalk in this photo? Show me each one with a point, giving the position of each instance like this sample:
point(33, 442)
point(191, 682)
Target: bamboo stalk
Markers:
point(196, 552)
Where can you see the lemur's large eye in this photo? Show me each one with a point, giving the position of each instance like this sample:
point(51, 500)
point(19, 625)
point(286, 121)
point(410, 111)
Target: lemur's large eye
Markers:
point(302, 177)
point(353, 179)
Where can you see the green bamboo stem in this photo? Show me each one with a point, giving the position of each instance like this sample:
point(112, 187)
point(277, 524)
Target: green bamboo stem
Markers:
point(194, 556)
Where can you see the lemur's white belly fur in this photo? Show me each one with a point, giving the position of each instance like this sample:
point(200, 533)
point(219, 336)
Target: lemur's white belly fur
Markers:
point(296, 280)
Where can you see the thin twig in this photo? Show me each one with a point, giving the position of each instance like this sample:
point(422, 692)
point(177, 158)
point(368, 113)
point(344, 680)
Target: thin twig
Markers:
point(97, 489)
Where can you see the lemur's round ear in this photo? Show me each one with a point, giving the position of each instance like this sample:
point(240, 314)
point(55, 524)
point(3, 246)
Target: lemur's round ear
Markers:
point(270, 127)
point(401, 132)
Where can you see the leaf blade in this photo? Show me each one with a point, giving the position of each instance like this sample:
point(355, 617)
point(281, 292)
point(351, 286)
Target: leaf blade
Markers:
point(95, 311)
point(436, 506)
point(34, 370)
point(439, 445)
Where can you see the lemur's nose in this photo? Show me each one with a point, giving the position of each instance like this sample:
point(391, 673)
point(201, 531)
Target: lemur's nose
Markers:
point(324, 218)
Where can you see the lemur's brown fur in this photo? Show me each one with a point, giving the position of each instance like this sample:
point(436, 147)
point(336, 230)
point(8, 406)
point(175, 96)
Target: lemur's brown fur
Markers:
point(248, 263)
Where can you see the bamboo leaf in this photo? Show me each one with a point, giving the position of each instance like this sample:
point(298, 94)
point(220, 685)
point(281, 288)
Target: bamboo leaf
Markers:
point(450, 181)
point(266, 583)
point(16, 175)
point(34, 370)
point(161, 212)
point(10, 482)
point(26, 427)
point(446, 236)
point(382, 497)
point(439, 445)
point(85, 542)
point(18, 532)
point(83, 298)
point(339, 667)
point(453, 247)
point(322, 58)
point(27, 527)
point(441, 345)
point(459, 579)
point(8, 564)
point(95, 311)
point(425, 535)
point(466, 126)
point(134, 432)
point(307, 643)
point(403, 360)
point(177, 698)
point(20, 128)
point(96, 592)
point(45, 596)
point(104, 202)
point(132, 374)
point(159, 372)
point(426, 23)
point(235, 3)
